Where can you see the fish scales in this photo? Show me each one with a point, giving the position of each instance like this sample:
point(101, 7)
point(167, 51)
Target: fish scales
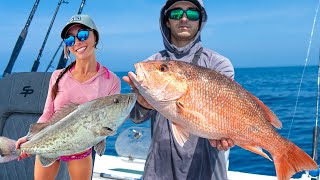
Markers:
point(208, 104)
point(57, 138)
point(73, 129)
point(202, 98)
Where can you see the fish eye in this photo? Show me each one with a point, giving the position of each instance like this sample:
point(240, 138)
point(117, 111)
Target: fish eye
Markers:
point(116, 100)
point(163, 68)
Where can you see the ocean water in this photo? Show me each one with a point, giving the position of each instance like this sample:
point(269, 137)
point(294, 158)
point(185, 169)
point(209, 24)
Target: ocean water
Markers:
point(278, 88)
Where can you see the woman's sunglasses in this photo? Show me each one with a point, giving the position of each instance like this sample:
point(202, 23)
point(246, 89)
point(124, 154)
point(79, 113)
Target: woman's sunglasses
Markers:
point(82, 35)
point(177, 14)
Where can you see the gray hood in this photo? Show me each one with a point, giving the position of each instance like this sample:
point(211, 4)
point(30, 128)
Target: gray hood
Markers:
point(189, 49)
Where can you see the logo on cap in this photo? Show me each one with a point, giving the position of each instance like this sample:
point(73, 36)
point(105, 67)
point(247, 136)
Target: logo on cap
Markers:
point(75, 18)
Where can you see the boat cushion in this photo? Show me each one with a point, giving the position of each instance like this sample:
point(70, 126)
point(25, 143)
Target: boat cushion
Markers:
point(22, 98)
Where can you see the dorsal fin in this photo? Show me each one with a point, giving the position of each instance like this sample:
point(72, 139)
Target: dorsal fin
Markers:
point(35, 128)
point(63, 112)
point(57, 116)
point(273, 119)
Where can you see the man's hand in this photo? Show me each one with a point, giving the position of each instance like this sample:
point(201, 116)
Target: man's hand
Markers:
point(222, 144)
point(140, 98)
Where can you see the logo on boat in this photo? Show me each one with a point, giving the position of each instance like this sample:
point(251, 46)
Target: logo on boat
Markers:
point(27, 90)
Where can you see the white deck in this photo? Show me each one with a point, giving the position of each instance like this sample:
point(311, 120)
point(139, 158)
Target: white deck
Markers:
point(112, 167)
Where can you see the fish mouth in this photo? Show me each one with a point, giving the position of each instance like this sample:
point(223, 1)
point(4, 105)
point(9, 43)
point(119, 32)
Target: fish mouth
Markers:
point(140, 80)
point(139, 76)
point(140, 71)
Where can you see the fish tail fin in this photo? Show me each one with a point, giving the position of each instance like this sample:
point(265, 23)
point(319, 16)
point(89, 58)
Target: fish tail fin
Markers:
point(7, 150)
point(292, 160)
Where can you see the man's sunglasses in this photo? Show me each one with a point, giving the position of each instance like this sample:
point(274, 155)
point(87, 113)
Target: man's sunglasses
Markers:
point(82, 35)
point(177, 14)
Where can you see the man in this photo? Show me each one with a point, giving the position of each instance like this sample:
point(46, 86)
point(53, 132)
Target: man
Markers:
point(181, 23)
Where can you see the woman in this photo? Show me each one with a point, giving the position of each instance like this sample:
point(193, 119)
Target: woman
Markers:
point(83, 80)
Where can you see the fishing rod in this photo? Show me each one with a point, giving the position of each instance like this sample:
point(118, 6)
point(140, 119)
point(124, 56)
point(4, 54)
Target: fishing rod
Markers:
point(315, 174)
point(304, 69)
point(63, 60)
point(20, 41)
point(37, 61)
point(49, 65)
point(81, 6)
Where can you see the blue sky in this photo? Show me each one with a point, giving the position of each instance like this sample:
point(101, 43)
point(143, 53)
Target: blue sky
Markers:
point(250, 33)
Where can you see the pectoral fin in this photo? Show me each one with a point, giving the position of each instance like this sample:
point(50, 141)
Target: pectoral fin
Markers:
point(187, 112)
point(257, 150)
point(100, 147)
point(105, 131)
point(180, 134)
point(45, 162)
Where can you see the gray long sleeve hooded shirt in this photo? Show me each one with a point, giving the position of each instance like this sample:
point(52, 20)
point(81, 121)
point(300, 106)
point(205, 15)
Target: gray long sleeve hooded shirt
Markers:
point(197, 159)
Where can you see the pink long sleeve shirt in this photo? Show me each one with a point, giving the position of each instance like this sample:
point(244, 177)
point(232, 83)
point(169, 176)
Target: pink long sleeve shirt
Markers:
point(104, 83)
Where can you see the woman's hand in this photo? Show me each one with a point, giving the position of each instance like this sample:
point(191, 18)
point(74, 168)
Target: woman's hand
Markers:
point(18, 143)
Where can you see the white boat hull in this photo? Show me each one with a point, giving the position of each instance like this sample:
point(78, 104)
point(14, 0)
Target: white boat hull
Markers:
point(113, 167)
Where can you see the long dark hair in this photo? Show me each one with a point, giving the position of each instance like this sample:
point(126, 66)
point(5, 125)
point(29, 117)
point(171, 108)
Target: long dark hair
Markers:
point(55, 87)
